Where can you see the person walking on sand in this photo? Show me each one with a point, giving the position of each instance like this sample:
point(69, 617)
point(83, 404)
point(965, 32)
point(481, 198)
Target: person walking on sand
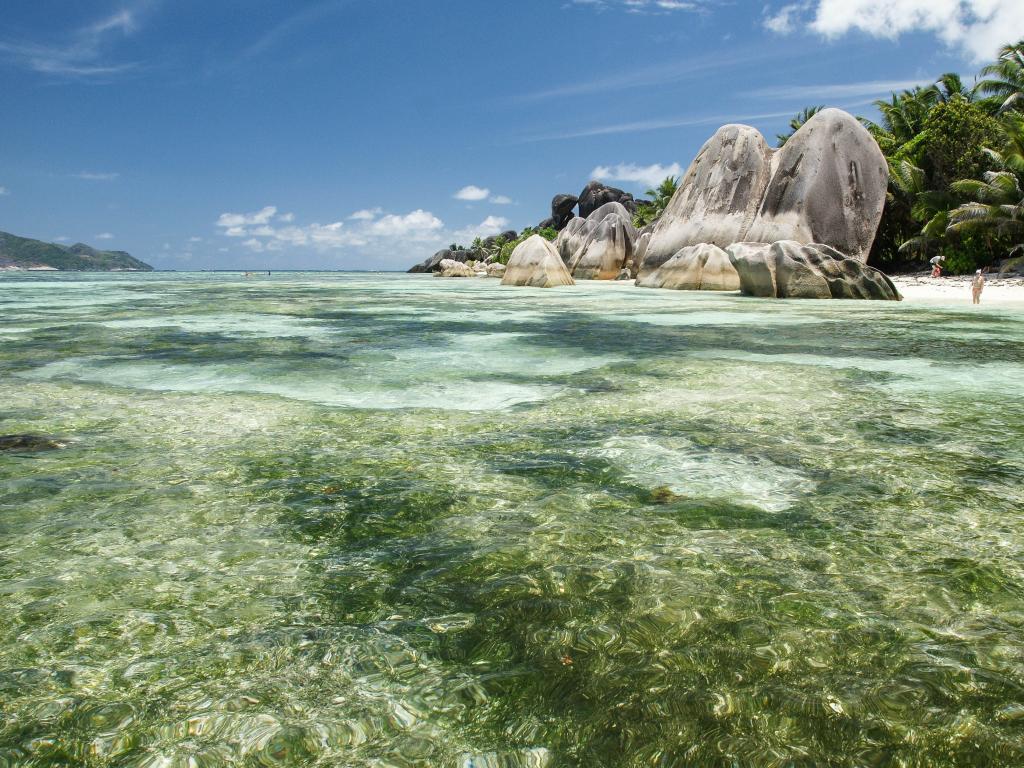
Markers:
point(977, 286)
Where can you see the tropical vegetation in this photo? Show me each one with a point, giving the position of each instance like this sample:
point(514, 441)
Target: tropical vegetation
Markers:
point(648, 211)
point(956, 162)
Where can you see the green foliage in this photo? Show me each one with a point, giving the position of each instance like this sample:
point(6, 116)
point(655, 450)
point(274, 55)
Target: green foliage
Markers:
point(1004, 79)
point(797, 122)
point(26, 252)
point(957, 133)
point(661, 196)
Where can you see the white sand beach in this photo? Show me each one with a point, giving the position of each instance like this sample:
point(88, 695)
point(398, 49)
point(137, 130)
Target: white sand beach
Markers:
point(922, 288)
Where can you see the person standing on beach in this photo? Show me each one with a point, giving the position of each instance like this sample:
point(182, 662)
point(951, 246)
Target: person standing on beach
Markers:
point(977, 285)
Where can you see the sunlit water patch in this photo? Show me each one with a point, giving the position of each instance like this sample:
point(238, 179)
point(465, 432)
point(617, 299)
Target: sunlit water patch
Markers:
point(358, 520)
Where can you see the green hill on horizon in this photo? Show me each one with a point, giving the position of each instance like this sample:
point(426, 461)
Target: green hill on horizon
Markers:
point(26, 253)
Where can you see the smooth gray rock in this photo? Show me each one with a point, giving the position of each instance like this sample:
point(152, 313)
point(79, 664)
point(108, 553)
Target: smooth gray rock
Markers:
point(703, 267)
point(598, 247)
point(828, 186)
point(537, 264)
point(717, 198)
point(790, 270)
point(433, 263)
point(453, 268)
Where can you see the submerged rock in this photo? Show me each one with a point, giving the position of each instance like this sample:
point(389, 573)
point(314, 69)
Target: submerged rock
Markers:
point(703, 267)
point(791, 270)
point(536, 263)
point(29, 443)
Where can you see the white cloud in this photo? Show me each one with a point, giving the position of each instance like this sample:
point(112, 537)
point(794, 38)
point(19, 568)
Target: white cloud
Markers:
point(785, 19)
point(472, 193)
point(104, 236)
point(263, 232)
point(645, 175)
point(366, 214)
point(500, 200)
point(4, 191)
point(492, 225)
point(93, 176)
point(61, 239)
point(976, 28)
point(286, 217)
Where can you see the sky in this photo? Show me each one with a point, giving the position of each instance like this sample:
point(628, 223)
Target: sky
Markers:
point(367, 134)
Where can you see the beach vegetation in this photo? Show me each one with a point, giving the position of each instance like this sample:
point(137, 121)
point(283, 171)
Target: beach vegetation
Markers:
point(649, 211)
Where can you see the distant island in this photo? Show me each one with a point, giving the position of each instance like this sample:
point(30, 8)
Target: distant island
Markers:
point(21, 253)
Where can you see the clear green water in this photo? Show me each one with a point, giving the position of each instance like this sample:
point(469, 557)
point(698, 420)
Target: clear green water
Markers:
point(357, 520)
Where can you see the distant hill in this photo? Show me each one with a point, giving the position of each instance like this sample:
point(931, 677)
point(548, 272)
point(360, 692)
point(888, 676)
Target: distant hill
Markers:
point(25, 253)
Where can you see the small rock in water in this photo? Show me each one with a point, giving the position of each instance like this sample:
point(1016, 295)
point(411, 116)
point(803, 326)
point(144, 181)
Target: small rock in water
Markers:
point(29, 443)
point(664, 495)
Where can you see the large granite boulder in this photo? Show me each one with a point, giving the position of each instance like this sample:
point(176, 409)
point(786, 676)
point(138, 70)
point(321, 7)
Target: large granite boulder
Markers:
point(433, 263)
point(703, 267)
point(600, 246)
point(790, 270)
point(561, 210)
point(596, 194)
point(717, 198)
point(828, 186)
point(453, 268)
point(536, 263)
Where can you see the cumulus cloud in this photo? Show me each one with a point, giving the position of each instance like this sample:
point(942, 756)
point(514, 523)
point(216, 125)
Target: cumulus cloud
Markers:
point(645, 175)
point(367, 214)
point(472, 193)
point(265, 230)
point(977, 28)
point(492, 225)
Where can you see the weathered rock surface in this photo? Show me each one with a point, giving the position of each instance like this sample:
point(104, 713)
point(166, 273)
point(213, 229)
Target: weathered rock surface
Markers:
point(596, 194)
point(703, 267)
point(717, 198)
point(598, 247)
point(536, 263)
point(495, 270)
point(452, 268)
point(828, 186)
point(561, 210)
point(790, 270)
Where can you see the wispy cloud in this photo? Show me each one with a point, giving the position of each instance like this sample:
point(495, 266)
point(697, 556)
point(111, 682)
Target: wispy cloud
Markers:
point(287, 27)
point(4, 191)
point(640, 6)
point(645, 175)
point(660, 74)
point(94, 176)
point(500, 200)
point(827, 92)
point(82, 54)
point(105, 236)
point(638, 126)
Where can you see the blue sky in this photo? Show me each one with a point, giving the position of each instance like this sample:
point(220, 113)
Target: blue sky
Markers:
point(365, 134)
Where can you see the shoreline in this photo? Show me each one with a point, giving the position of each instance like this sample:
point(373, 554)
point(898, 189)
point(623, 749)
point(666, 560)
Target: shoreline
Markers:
point(955, 290)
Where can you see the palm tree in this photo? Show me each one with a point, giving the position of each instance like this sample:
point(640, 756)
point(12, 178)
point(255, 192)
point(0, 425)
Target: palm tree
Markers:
point(1006, 77)
point(950, 86)
point(660, 198)
point(926, 205)
point(797, 122)
point(997, 199)
point(902, 118)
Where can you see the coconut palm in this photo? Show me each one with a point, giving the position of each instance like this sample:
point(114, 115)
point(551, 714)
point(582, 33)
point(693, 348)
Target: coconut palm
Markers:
point(1006, 77)
point(797, 122)
point(926, 205)
point(950, 86)
point(902, 118)
point(997, 199)
point(660, 198)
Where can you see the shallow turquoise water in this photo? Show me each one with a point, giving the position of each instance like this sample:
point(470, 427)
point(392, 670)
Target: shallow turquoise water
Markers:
point(366, 520)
